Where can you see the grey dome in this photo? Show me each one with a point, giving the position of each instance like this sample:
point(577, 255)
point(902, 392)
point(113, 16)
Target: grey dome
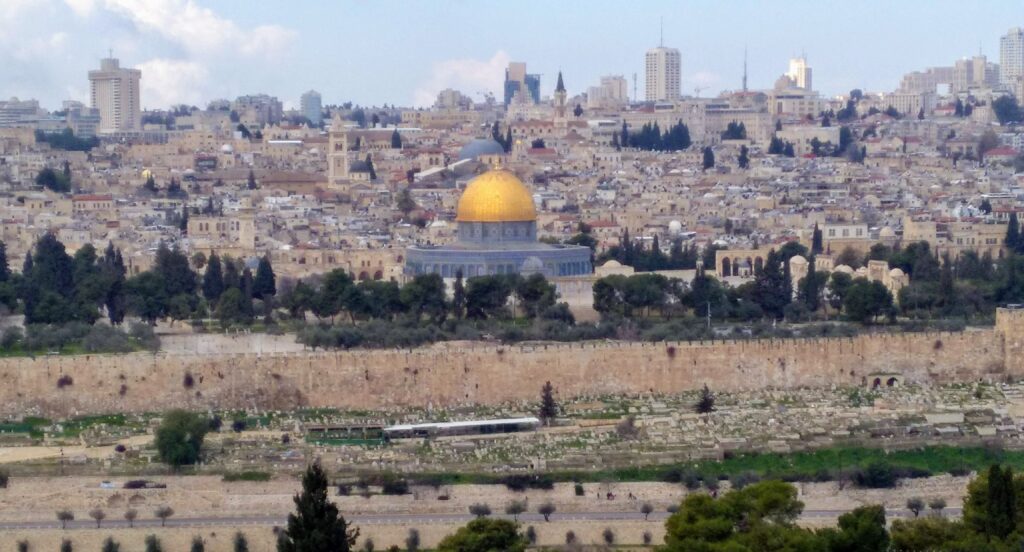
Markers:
point(480, 146)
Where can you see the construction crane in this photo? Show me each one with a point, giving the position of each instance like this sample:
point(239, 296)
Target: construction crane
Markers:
point(697, 89)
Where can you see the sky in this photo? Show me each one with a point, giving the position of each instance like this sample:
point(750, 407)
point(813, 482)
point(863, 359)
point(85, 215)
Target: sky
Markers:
point(372, 52)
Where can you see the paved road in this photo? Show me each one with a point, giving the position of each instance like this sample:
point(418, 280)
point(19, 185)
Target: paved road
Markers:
point(394, 519)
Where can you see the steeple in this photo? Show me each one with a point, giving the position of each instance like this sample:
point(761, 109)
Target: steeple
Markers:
point(560, 87)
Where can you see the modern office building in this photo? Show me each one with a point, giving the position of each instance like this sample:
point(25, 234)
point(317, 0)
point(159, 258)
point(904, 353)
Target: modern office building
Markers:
point(15, 112)
point(312, 107)
point(1011, 56)
point(663, 69)
point(114, 91)
point(800, 73)
point(519, 82)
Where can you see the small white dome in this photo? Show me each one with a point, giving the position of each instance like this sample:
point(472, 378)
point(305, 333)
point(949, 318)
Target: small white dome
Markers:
point(845, 269)
point(896, 273)
point(612, 264)
point(675, 227)
point(886, 232)
point(798, 259)
point(227, 148)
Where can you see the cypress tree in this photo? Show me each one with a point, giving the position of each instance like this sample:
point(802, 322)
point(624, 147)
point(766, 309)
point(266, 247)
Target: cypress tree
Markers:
point(265, 283)
point(316, 525)
point(548, 406)
point(458, 296)
point(1012, 240)
point(816, 241)
point(213, 279)
point(5, 271)
point(709, 158)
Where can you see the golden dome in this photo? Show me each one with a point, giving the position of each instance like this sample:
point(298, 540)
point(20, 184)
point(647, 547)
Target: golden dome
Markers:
point(496, 196)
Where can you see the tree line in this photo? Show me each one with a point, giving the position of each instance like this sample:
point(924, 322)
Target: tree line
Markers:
point(651, 138)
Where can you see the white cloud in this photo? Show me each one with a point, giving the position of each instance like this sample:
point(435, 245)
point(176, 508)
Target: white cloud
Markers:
point(467, 75)
point(199, 30)
point(11, 11)
point(170, 81)
point(703, 79)
point(82, 8)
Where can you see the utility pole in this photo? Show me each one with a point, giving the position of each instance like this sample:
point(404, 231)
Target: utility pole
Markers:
point(709, 315)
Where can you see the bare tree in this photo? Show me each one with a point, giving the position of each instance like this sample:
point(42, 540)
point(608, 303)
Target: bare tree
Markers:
point(646, 509)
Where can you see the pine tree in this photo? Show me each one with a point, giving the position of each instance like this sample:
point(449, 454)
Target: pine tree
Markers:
point(396, 139)
point(508, 139)
point(548, 406)
point(624, 141)
point(316, 525)
point(251, 183)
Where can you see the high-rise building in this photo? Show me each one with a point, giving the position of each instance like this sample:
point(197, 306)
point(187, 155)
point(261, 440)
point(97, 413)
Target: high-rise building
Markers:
point(613, 91)
point(311, 107)
point(1011, 56)
point(518, 81)
point(17, 112)
point(664, 67)
point(114, 91)
point(261, 109)
point(800, 73)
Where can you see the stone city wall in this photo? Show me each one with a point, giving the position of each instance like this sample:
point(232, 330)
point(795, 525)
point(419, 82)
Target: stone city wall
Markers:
point(455, 374)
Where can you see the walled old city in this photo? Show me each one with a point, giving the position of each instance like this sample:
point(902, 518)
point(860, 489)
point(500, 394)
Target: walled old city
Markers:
point(620, 282)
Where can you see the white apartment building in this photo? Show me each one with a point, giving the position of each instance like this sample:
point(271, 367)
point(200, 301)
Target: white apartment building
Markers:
point(1011, 56)
point(800, 73)
point(663, 69)
point(114, 91)
point(612, 92)
point(311, 106)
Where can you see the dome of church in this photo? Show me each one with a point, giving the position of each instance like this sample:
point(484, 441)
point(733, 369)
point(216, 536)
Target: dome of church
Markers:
point(480, 146)
point(675, 227)
point(496, 196)
point(886, 232)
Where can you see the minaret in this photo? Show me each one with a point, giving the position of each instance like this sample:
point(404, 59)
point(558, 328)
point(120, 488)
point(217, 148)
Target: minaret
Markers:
point(560, 119)
point(744, 69)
